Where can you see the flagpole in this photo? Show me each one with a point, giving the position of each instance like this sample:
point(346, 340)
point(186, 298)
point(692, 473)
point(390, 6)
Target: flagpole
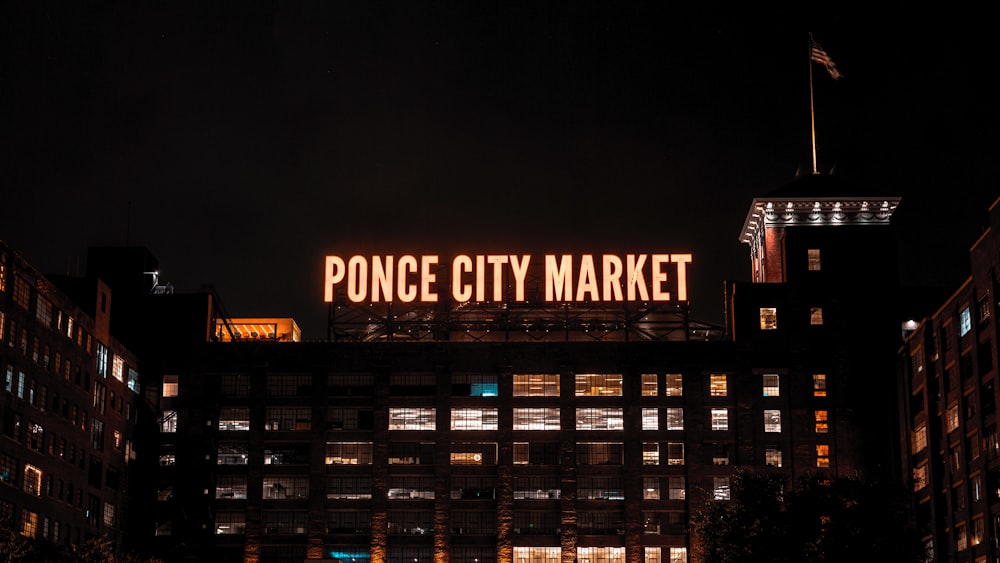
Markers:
point(812, 112)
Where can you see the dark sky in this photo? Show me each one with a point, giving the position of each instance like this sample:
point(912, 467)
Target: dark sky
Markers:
point(241, 142)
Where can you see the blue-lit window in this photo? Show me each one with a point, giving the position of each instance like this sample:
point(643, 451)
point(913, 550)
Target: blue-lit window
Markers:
point(133, 380)
point(966, 321)
point(102, 360)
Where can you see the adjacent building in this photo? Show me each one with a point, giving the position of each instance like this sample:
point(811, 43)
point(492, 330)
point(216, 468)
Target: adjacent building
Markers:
point(947, 402)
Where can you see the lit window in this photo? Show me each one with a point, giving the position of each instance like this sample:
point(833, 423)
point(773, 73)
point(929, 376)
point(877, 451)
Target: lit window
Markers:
point(819, 385)
point(230, 522)
point(961, 539)
point(650, 453)
point(675, 385)
point(772, 456)
point(416, 418)
point(109, 515)
point(772, 420)
point(675, 418)
point(598, 385)
point(169, 421)
point(474, 419)
point(814, 262)
point(822, 455)
point(720, 488)
point(29, 521)
point(768, 318)
point(234, 418)
point(771, 387)
point(678, 555)
point(474, 453)
point(118, 367)
point(720, 419)
point(978, 530)
point(816, 316)
point(717, 385)
point(985, 309)
point(651, 419)
point(953, 417)
point(649, 385)
point(133, 380)
point(348, 453)
point(919, 477)
point(536, 385)
point(821, 422)
point(607, 418)
point(32, 480)
point(170, 386)
point(546, 418)
point(474, 385)
point(965, 322)
point(102, 360)
point(650, 489)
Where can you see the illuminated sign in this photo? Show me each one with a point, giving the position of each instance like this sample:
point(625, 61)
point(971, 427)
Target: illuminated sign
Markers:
point(495, 277)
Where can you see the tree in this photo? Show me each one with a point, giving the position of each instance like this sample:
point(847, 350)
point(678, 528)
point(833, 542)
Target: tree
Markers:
point(820, 520)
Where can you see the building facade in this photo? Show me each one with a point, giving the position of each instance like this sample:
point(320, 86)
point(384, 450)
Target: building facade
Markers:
point(491, 434)
point(70, 398)
point(947, 401)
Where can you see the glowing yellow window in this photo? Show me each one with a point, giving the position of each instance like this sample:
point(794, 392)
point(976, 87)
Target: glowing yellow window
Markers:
point(821, 422)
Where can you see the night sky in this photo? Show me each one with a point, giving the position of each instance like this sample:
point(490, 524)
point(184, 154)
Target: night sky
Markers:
point(241, 142)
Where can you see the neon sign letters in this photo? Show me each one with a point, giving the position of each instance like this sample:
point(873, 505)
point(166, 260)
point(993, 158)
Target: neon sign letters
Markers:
point(483, 277)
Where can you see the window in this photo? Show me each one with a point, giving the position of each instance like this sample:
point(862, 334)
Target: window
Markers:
point(771, 388)
point(772, 456)
point(349, 522)
point(43, 311)
point(102, 360)
point(32, 480)
point(230, 522)
point(648, 384)
point(819, 385)
point(109, 515)
point(650, 418)
point(471, 385)
point(133, 380)
point(961, 538)
point(546, 418)
point(813, 258)
point(234, 384)
point(651, 488)
point(676, 487)
point(169, 385)
point(294, 385)
point(349, 418)
point(474, 419)
point(768, 318)
point(675, 418)
point(815, 316)
point(348, 453)
point(234, 418)
point(231, 487)
point(675, 453)
point(720, 488)
point(650, 453)
point(169, 421)
point(536, 385)
point(22, 292)
point(985, 309)
point(978, 530)
point(474, 453)
point(536, 453)
point(525, 488)
point(284, 522)
point(920, 477)
point(953, 417)
point(229, 453)
point(720, 418)
point(117, 367)
point(537, 554)
point(965, 322)
point(822, 455)
point(411, 453)
point(607, 418)
point(675, 385)
point(717, 385)
point(416, 418)
point(821, 422)
point(29, 520)
point(598, 385)
point(349, 488)
point(720, 454)
point(282, 487)
point(599, 453)
point(288, 418)
point(600, 488)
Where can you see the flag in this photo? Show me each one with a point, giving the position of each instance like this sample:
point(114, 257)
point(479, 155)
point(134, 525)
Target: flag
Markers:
point(818, 55)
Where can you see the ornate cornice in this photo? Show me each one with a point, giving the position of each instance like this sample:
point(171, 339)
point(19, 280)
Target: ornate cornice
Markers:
point(789, 212)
